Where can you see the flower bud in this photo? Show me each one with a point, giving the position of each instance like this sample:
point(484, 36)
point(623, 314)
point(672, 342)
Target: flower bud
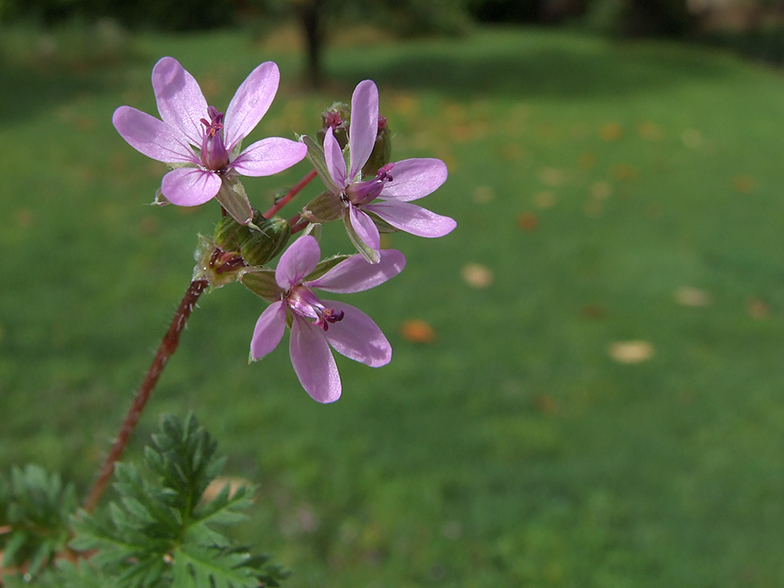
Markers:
point(323, 208)
point(229, 234)
point(263, 245)
point(336, 117)
point(382, 150)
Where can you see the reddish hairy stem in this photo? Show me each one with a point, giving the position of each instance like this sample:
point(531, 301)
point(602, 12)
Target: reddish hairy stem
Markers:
point(166, 349)
point(273, 210)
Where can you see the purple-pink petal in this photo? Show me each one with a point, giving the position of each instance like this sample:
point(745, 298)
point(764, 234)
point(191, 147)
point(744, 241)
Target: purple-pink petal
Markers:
point(297, 262)
point(269, 330)
point(250, 103)
point(413, 219)
point(180, 101)
point(357, 275)
point(269, 156)
point(365, 228)
point(313, 362)
point(190, 186)
point(414, 178)
point(363, 127)
point(152, 137)
point(333, 156)
point(357, 337)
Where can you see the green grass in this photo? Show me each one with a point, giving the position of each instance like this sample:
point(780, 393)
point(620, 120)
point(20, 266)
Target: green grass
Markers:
point(512, 450)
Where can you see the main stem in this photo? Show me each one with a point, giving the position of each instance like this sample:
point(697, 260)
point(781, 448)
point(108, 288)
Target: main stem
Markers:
point(166, 349)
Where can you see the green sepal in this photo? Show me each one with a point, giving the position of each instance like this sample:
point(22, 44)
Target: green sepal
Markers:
point(369, 254)
point(324, 266)
point(382, 225)
point(262, 283)
point(324, 208)
point(316, 157)
point(381, 154)
point(234, 199)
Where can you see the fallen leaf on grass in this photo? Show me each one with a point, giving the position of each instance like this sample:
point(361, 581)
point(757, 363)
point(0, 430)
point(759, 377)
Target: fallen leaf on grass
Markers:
point(631, 351)
point(546, 404)
point(650, 131)
point(611, 132)
point(743, 183)
point(417, 331)
point(692, 138)
point(757, 308)
point(528, 221)
point(24, 218)
point(545, 199)
point(600, 190)
point(551, 176)
point(587, 160)
point(688, 296)
point(484, 195)
point(624, 172)
point(477, 276)
point(593, 311)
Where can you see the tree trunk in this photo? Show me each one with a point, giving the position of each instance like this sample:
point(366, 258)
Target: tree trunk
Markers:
point(312, 18)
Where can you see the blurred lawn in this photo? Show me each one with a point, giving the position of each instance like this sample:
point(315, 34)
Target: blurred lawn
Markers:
point(614, 192)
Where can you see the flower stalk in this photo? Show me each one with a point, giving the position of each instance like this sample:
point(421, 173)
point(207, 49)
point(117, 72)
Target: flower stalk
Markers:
point(273, 210)
point(166, 349)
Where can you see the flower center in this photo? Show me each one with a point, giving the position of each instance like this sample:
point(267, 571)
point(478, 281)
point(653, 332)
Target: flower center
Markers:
point(213, 152)
point(367, 191)
point(305, 303)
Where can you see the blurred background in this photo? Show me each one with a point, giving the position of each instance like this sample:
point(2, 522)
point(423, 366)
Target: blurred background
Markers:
point(586, 385)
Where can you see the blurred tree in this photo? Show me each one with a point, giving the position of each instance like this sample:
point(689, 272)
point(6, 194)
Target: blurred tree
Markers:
point(640, 18)
point(320, 19)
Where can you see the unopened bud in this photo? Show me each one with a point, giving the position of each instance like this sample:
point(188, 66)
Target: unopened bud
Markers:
point(337, 118)
point(263, 245)
point(256, 247)
point(382, 150)
point(229, 234)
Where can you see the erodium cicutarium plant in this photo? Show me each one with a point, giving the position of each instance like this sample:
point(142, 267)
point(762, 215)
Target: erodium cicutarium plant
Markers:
point(162, 530)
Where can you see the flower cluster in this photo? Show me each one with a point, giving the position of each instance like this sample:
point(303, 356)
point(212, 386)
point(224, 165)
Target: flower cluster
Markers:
point(369, 193)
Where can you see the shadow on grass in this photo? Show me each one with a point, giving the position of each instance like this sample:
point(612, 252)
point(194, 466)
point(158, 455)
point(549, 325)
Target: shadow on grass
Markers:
point(556, 66)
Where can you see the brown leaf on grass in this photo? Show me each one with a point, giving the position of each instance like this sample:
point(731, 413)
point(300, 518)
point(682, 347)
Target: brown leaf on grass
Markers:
point(545, 199)
point(484, 195)
point(631, 351)
point(593, 311)
point(476, 275)
point(743, 184)
point(552, 177)
point(218, 484)
point(24, 218)
point(624, 172)
point(692, 138)
point(593, 207)
point(600, 190)
point(757, 308)
point(528, 221)
point(587, 161)
point(417, 331)
point(149, 225)
point(611, 132)
point(546, 404)
point(650, 131)
point(688, 296)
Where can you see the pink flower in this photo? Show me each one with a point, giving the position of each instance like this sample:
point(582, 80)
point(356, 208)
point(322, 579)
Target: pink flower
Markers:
point(187, 123)
point(316, 324)
point(389, 194)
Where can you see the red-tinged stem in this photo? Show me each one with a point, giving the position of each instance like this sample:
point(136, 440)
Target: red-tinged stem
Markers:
point(273, 210)
point(166, 349)
point(297, 224)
